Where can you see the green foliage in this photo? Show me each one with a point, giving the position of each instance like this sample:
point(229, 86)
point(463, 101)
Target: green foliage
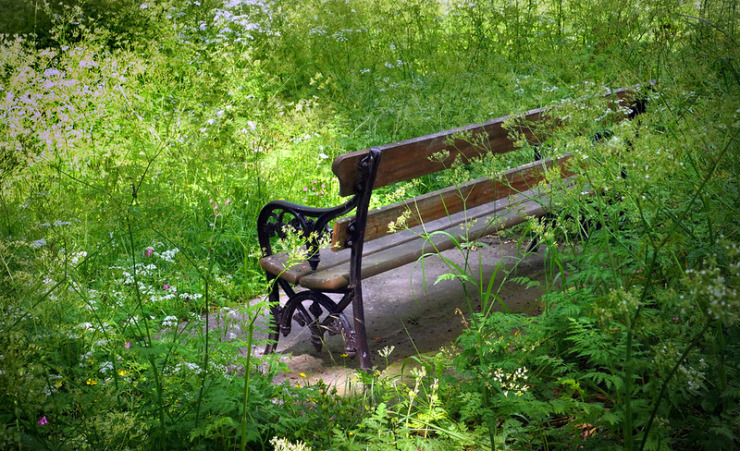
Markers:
point(139, 140)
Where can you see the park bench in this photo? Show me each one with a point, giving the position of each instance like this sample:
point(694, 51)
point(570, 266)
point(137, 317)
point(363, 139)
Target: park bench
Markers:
point(364, 245)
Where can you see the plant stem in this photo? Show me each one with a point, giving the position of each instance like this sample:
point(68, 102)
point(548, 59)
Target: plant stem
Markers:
point(665, 384)
point(247, 378)
point(162, 425)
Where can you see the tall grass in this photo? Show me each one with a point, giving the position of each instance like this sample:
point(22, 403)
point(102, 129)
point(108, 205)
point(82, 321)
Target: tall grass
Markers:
point(138, 146)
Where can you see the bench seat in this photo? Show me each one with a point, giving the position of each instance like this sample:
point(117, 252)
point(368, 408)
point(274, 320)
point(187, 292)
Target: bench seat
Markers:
point(397, 249)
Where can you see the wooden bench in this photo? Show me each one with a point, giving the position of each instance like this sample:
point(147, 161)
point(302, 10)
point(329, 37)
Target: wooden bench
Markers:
point(363, 245)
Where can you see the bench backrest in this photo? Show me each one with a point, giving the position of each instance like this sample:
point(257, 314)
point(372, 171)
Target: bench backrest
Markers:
point(413, 158)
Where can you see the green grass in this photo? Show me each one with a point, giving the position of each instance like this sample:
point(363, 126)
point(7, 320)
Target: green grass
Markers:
point(140, 142)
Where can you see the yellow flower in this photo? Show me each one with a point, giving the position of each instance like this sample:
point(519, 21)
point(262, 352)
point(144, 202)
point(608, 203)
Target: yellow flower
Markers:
point(92, 381)
point(302, 374)
point(121, 372)
point(59, 384)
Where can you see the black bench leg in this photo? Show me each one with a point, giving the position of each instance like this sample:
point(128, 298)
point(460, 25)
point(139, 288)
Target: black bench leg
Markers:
point(535, 244)
point(360, 334)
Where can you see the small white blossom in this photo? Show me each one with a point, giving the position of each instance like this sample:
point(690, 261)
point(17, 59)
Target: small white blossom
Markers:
point(38, 243)
point(170, 321)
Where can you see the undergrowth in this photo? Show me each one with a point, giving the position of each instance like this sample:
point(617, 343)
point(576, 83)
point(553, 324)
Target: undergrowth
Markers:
point(139, 142)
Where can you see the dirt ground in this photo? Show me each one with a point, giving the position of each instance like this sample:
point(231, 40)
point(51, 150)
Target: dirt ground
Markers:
point(404, 308)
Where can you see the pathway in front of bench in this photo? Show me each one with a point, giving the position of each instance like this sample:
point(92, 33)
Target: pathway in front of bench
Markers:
point(400, 313)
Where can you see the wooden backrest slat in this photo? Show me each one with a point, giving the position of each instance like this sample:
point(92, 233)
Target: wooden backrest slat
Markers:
point(438, 204)
point(406, 160)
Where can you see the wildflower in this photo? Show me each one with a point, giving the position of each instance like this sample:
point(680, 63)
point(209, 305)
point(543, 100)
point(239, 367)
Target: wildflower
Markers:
point(166, 287)
point(127, 345)
point(92, 381)
point(386, 351)
point(38, 243)
point(43, 421)
point(121, 372)
point(105, 367)
point(148, 252)
point(302, 374)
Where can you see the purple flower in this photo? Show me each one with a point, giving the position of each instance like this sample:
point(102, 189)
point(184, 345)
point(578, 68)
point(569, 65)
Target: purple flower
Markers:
point(166, 286)
point(127, 345)
point(148, 252)
point(43, 421)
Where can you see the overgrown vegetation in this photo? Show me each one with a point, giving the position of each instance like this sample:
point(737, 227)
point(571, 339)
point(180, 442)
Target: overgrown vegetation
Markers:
point(139, 143)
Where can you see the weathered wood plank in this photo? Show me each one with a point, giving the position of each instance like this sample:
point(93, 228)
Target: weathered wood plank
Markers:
point(412, 158)
point(447, 201)
point(276, 264)
point(392, 257)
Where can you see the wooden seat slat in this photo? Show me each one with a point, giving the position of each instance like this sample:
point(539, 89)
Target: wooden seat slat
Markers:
point(387, 253)
point(496, 218)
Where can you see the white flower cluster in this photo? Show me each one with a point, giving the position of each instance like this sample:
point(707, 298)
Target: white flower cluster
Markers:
point(243, 16)
point(170, 321)
point(105, 367)
point(690, 374)
point(168, 255)
point(715, 287)
point(282, 444)
point(515, 382)
point(38, 243)
point(140, 269)
point(194, 367)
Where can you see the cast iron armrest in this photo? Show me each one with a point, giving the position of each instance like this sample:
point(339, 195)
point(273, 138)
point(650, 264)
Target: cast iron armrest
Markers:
point(280, 217)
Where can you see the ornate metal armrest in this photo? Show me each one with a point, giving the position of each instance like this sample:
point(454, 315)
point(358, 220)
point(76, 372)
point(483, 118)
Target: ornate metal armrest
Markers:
point(279, 216)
